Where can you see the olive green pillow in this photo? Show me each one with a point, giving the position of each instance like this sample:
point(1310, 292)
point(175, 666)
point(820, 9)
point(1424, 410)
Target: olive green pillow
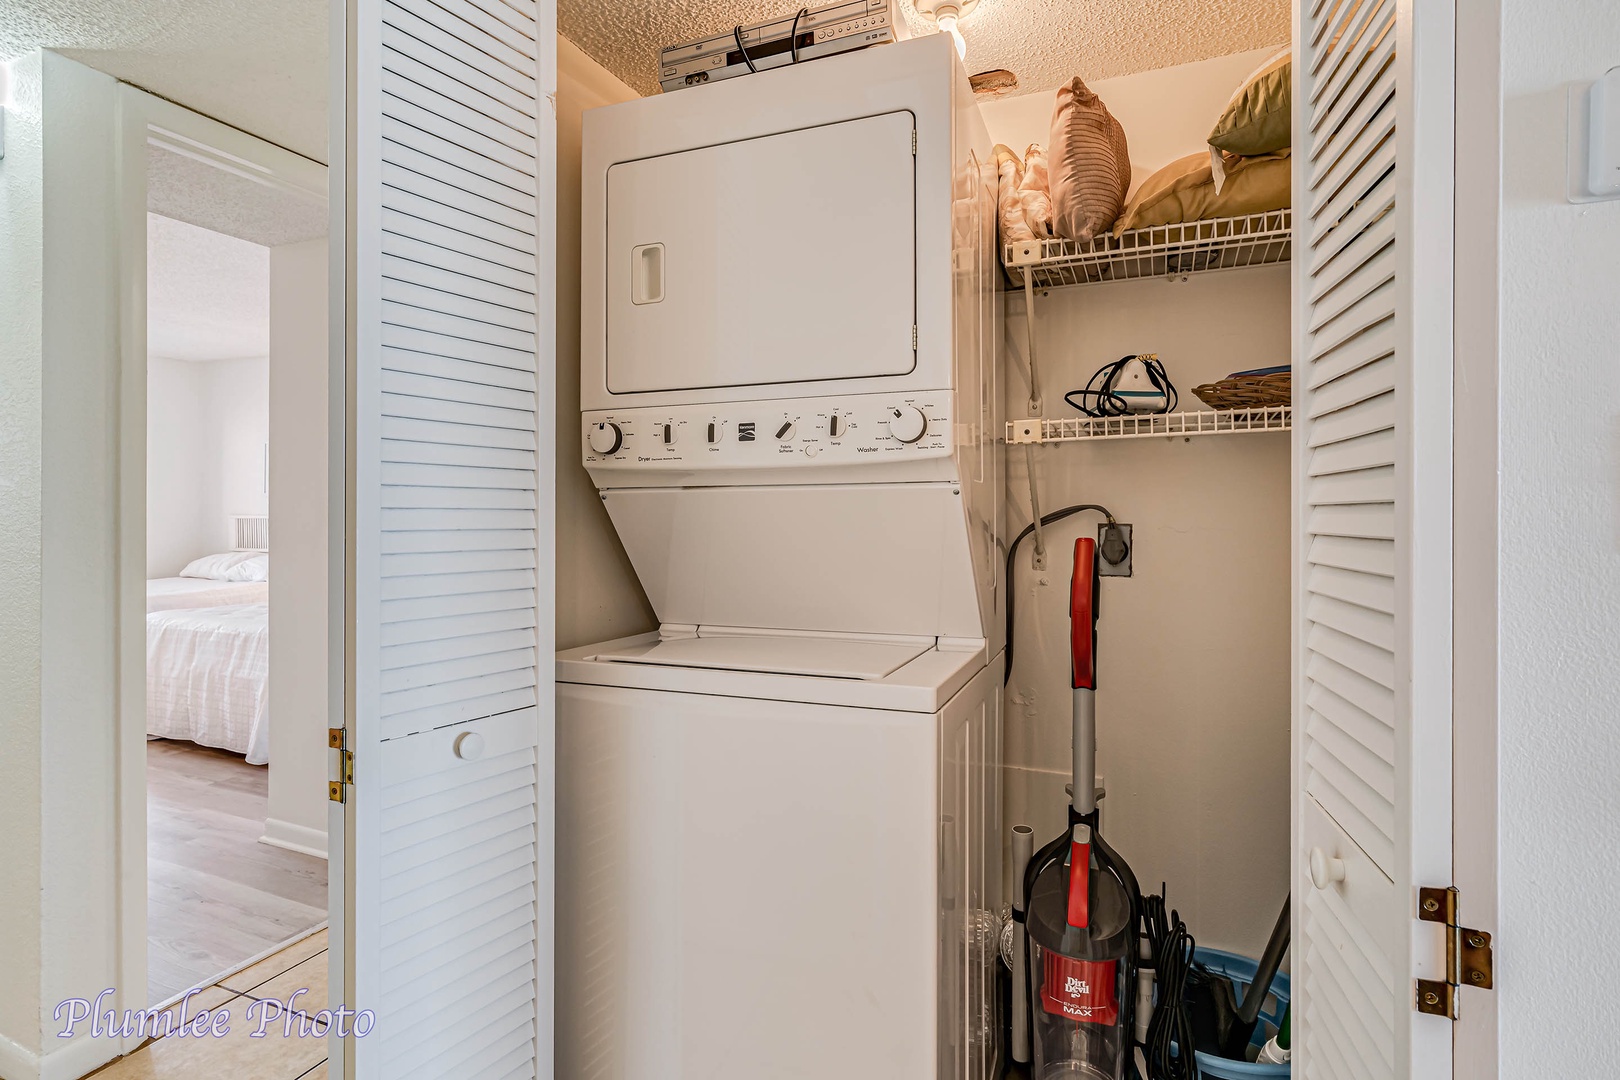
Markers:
point(1259, 118)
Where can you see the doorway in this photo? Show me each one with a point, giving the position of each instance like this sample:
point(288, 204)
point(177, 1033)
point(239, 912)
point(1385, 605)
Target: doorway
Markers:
point(223, 764)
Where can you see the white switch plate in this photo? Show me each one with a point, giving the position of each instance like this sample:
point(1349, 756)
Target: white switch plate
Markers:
point(1594, 139)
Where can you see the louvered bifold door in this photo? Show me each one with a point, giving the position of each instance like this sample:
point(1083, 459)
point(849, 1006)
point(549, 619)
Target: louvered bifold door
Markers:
point(450, 168)
point(1372, 378)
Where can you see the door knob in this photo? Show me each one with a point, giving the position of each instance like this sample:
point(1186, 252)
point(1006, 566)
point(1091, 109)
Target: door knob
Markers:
point(1325, 869)
point(469, 746)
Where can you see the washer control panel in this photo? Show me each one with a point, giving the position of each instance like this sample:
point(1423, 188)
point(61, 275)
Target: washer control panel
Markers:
point(770, 434)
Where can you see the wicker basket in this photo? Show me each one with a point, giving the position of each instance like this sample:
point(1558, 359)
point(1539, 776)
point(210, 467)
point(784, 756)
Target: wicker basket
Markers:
point(1247, 391)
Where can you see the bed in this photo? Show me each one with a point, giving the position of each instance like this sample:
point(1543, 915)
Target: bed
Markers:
point(208, 649)
point(208, 677)
point(169, 593)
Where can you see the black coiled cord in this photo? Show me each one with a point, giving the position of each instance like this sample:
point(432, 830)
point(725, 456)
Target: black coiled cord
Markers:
point(1099, 399)
point(1172, 950)
point(1012, 552)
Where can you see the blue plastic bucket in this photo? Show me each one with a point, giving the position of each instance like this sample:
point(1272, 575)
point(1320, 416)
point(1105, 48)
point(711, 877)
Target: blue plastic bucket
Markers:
point(1241, 970)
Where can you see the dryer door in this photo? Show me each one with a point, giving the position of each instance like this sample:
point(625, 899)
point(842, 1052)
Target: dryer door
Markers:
point(782, 259)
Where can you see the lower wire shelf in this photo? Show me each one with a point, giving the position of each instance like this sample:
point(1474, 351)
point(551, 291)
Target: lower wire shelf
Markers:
point(1151, 425)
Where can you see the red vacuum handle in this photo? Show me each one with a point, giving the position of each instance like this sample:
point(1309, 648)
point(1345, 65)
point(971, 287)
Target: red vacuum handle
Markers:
point(1080, 878)
point(1083, 614)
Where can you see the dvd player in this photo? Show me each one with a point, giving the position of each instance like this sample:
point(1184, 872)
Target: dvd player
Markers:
point(808, 35)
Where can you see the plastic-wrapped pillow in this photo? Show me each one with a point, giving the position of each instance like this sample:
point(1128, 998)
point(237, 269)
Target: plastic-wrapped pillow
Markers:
point(1090, 164)
point(1023, 206)
point(1034, 192)
point(1009, 212)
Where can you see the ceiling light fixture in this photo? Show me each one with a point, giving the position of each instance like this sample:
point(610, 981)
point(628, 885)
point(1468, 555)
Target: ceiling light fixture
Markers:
point(948, 16)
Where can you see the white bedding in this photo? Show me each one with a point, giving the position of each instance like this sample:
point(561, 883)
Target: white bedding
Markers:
point(207, 677)
point(169, 593)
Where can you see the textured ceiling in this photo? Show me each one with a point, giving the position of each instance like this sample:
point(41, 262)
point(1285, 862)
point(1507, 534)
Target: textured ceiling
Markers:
point(189, 190)
point(207, 294)
point(1043, 42)
point(259, 65)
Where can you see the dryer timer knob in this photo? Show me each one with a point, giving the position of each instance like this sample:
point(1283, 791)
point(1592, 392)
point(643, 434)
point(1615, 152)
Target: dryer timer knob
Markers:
point(908, 423)
point(604, 439)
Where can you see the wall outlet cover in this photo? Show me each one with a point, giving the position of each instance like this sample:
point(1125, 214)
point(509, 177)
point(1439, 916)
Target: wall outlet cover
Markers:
point(1122, 569)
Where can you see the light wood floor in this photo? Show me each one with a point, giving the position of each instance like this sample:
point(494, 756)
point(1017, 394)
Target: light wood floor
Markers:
point(216, 896)
point(292, 1047)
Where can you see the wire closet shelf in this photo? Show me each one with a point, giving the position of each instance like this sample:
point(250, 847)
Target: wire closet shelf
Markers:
point(1159, 251)
point(1145, 426)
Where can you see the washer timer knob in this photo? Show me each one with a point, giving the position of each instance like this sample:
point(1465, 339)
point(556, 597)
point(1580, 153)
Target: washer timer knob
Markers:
point(604, 439)
point(907, 423)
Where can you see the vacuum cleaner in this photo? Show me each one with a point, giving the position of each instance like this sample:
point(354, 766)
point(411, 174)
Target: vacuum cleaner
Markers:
point(1079, 901)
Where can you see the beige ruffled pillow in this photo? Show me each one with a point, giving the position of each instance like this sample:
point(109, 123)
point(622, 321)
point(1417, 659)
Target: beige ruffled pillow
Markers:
point(1090, 164)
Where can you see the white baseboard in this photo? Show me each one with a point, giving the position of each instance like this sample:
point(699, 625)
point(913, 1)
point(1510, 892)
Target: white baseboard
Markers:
point(17, 1063)
point(69, 1059)
point(300, 838)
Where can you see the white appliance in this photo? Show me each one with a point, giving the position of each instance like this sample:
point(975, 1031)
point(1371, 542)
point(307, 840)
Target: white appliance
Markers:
point(778, 817)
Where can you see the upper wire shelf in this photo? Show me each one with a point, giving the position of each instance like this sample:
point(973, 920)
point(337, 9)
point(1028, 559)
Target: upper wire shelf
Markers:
point(1191, 247)
point(1148, 425)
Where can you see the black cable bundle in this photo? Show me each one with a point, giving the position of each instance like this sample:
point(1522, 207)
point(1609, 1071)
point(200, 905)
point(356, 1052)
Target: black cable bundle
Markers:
point(1012, 551)
point(1172, 950)
point(1099, 399)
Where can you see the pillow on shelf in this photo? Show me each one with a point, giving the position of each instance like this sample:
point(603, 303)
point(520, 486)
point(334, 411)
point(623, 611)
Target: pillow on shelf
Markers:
point(1089, 162)
point(1034, 192)
point(215, 567)
point(1009, 214)
point(1259, 118)
point(1184, 190)
point(256, 567)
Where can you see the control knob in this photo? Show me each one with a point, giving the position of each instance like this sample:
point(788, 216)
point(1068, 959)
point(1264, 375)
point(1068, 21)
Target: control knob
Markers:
point(605, 439)
point(667, 433)
point(907, 423)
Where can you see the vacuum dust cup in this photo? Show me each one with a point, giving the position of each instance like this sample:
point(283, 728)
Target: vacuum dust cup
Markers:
point(1079, 926)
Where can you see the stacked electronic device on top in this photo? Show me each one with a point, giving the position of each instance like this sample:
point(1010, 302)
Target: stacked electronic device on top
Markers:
point(808, 34)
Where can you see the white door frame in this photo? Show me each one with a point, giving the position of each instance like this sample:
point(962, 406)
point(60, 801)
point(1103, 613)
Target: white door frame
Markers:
point(144, 121)
point(1475, 536)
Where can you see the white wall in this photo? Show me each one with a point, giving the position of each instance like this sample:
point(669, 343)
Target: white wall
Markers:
point(207, 426)
point(22, 227)
point(1166, 114)
point(177, 470)
point(298, 522)
point(59, 585)
point(1193, 682)
point(1559, 560)
point(598, 596)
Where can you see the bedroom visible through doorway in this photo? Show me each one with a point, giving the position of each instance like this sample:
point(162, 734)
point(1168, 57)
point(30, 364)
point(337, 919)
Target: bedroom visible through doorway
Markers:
point(236, 746)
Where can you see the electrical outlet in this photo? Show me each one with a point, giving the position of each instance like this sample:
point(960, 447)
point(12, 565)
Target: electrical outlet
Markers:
point(1105, 547)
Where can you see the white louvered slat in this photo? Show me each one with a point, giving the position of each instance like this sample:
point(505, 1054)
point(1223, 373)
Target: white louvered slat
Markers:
point(451, 161)
point(1372, 567)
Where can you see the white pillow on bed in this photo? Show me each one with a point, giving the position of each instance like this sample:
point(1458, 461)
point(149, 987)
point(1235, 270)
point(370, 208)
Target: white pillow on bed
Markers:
point(216, 567)
point(252, 568)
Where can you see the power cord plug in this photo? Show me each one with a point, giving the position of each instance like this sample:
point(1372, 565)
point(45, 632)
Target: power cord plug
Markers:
point(1114, 547)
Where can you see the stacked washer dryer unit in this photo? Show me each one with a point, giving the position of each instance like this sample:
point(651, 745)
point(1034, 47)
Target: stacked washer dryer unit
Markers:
point(778, 817)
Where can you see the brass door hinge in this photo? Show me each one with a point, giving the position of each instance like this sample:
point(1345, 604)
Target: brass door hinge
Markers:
point(1468, 955)
point(338, 790)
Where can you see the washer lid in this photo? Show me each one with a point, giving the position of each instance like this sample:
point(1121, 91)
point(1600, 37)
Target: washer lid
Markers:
point(786, 654)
